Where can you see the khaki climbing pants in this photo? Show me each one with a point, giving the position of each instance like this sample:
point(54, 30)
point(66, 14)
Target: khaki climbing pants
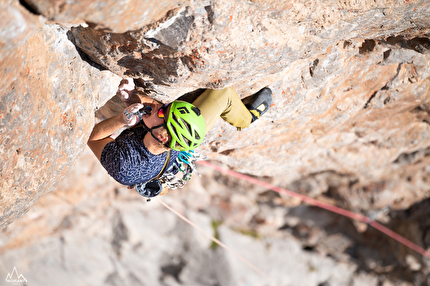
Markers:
point(224, 103)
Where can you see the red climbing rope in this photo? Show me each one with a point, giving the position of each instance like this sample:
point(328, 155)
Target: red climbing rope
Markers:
point(323, 205)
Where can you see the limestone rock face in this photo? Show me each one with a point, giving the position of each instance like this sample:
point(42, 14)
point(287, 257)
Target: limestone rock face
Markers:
point(16, 25)
point(47, 98)
point(350, 123)
point(240, 43)
point(104, 234)
point(350, 81)
point(116, 16)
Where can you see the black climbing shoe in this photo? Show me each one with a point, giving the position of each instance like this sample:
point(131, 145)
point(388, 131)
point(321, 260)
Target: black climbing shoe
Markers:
point(259, 103)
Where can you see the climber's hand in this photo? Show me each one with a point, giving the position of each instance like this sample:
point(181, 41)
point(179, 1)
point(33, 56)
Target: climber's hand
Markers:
point(125, 89)
point(131, 119)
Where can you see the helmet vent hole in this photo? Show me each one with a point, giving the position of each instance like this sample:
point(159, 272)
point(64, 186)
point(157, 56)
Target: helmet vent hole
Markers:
point(187, 125)
point(172, 130)
point(186, 141)
point(196, 111)
point(175, 118)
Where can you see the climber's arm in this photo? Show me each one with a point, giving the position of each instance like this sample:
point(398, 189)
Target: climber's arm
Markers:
point(100, 135)
point(103, 130)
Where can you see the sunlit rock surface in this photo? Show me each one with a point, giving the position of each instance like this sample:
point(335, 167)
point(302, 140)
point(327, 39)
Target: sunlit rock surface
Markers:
point(48, 95)
point(116, 16)
point(350, 82)
point(243, 44)
point(104, 234)
point(16, 25)
point(349, 124)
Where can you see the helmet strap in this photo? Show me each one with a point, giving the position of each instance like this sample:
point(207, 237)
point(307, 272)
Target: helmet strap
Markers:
point(146, 128)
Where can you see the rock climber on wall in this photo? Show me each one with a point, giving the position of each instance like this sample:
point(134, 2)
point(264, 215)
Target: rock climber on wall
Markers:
point(159, 137)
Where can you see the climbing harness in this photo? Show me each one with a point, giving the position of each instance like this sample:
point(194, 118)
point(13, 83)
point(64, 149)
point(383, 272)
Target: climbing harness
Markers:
point(149, 189)
point(185, 163)
point(154, 186)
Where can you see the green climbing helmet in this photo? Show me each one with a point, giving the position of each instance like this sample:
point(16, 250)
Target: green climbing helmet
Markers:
point(186, 125)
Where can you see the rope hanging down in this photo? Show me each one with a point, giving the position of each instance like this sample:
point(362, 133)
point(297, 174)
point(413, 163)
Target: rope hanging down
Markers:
point(217, 241)
point(323, 205)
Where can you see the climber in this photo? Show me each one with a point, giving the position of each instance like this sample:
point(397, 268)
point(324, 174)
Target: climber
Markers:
point(156, 134)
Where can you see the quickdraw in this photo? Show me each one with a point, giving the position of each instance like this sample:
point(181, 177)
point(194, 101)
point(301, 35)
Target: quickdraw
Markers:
point(144, 110)
point(186, 163)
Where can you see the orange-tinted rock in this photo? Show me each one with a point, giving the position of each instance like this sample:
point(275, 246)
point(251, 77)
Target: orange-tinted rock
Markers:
point(350, 108)
point(16, 25)
point(116, 16)
point(47, 98)
point(241, 44)
point(349, 124)
point(350, 83)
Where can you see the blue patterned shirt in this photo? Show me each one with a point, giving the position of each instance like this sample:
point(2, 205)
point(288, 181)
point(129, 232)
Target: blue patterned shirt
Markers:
point(129, 162)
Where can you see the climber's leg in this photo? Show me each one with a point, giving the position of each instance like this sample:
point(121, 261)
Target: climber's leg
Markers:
point(224, 103)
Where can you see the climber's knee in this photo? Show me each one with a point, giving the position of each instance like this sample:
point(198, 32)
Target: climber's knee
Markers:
point(225, 95)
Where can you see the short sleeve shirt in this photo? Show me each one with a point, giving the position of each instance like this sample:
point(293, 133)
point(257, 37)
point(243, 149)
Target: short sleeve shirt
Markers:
point(128, 160)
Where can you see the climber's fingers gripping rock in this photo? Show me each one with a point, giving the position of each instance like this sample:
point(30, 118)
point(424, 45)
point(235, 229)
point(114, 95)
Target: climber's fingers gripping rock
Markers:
point(125, 89)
